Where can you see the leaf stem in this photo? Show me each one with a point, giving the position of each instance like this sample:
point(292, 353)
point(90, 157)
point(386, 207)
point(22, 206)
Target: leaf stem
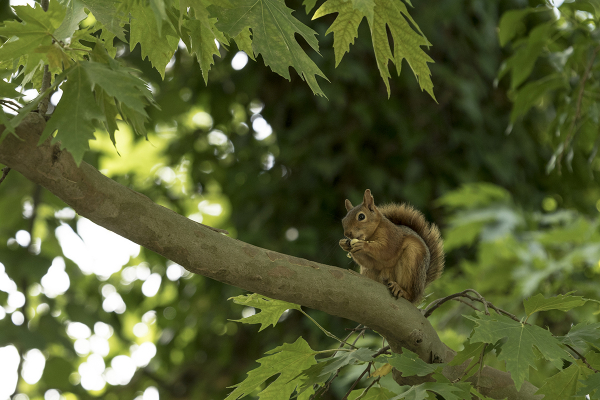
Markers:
point(331, 335)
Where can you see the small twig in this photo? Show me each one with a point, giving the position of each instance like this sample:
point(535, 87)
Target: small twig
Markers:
point(383, 350)
point(325, 331)
point(13, 105)
point(360, 396)
point(468, 304)
point(582, 358)
point(465, 373)
point(493, 307)
point(5, 172)
point(436, 303)
point(325, 387)
point(356, 382)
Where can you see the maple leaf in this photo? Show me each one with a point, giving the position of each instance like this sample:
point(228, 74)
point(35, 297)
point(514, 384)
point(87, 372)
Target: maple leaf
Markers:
point(108, 14)
point(320, 373)
point(244, 42)
point(120, 84)
point(74, 115)
point(74, 15)
point(381, 15)
point(24, 37)
point(564, 384)
point(286, 361)
point(273, 29)
point(407, 43)
point(410, 364)
point(203, 34)
point(271, 310)
point(156, 47)
point(592, 383)
point(345, 26)
point(517, 352)
point(582, 334)
point(561, 302)
point(449, 391)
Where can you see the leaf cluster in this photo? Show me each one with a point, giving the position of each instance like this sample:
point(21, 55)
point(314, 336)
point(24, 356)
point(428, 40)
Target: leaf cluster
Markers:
point(515, 342)
point(76, 40)
point(553, 68)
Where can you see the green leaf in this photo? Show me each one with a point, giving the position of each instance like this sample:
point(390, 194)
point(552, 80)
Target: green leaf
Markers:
point(120, 84)
point(8, 89)
point(449, 391)
point(74, 114)
point(345, 26)
point(561, 302)
point(410, 364)
point(473, 195)
point(273, 29)
point(471, 350)
point(521, 63)
point(271, 310)
point(589, 385)
point(309, 5)
point(244, 42)
point(108, 14)
point(517, 352)
point(158, 49)
point(407, 43)
point(365, 7)
point(319, 373)
point(36, 30)
point(510, 23)
point(564, 384)
point(287, 361)
point(532, 93)
point(29, 107)
point(158, 8)
point(109, 109)
point(74, 15)
point(582, 334)
point(202, 34)
point(375, 393)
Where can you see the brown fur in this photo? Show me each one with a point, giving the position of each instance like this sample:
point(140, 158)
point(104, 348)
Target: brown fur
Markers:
point(396, 246)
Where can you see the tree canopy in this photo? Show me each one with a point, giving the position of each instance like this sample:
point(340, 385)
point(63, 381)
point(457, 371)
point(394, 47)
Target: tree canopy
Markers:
point(154, 108)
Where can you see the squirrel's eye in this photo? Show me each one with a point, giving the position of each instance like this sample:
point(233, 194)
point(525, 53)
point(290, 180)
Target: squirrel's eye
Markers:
point(361, 216)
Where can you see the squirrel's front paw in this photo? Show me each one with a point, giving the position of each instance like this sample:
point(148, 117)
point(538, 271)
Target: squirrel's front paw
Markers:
point(345, 244)
point(396, 290)
point(358, 245)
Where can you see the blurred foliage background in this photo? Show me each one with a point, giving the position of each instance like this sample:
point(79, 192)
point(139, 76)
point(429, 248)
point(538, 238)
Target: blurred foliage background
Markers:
point(511, 229)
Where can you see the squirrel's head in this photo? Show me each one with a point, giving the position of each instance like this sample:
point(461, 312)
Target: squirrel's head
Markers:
point(362, 220)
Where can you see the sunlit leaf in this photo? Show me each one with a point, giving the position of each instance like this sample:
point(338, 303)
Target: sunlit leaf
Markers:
point(273, 29)
point(156, 47)
point(271, 310)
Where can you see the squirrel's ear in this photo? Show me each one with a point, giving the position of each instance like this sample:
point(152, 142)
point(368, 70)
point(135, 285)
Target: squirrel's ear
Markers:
point(348, 205)
point(368, 200)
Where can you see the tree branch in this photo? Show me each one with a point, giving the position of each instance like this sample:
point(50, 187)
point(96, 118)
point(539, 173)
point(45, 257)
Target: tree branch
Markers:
point(200, 250)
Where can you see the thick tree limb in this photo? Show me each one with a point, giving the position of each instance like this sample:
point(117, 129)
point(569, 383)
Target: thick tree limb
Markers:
point(203, 251)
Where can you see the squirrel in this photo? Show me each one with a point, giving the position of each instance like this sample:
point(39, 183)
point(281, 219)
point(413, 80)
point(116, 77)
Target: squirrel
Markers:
point(395, 245)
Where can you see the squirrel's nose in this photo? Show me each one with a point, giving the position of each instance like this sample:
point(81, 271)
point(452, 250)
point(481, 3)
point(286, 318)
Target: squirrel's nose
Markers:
point(348, 234)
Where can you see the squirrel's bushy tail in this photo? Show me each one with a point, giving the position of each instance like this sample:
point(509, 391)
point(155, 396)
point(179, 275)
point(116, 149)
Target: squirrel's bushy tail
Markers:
point(405, 214)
